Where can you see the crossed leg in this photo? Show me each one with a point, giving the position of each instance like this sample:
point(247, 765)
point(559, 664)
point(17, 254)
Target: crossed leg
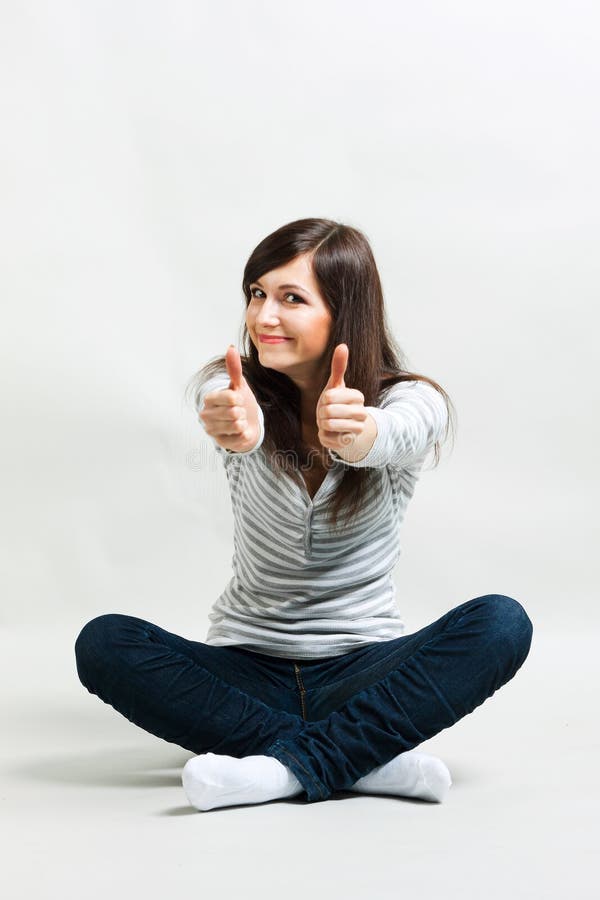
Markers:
point(171, 687)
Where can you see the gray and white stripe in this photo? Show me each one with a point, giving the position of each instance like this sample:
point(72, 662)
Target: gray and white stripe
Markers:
point(300, 590)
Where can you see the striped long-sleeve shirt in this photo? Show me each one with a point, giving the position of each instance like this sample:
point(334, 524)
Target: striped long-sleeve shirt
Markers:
point(298, 589)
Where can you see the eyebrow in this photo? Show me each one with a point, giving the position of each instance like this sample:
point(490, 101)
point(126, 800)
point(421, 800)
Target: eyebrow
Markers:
point(297, 287)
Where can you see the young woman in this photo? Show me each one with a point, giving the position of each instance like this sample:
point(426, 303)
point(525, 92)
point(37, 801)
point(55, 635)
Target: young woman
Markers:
point(306, 682)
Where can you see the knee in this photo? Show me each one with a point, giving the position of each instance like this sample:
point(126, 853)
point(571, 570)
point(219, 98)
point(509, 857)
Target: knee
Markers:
point(92, 647)
point(510, 624)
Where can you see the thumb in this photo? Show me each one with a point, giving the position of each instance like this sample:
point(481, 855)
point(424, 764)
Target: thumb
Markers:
point(339, 363)
point(233, 364)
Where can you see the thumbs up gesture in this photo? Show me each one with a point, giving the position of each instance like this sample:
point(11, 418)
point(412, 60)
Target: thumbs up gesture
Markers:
point(341, 415)
point(230, 415)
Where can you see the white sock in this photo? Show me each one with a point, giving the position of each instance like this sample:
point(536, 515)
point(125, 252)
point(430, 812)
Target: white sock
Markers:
point(410, 774)
point(212, 780)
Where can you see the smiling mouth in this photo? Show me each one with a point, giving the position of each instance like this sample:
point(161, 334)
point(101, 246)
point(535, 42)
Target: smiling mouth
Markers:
point(275, 339)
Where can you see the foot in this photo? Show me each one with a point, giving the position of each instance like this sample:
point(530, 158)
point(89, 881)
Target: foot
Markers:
point(211, 780)
point(410, 774)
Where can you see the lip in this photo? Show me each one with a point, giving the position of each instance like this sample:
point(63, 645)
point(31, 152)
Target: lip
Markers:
point(272, 339)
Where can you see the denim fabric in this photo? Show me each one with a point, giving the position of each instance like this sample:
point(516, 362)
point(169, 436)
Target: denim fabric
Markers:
point(330, 720)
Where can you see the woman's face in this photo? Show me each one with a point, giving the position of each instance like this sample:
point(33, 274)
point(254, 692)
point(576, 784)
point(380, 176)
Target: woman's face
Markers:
point(286, 302)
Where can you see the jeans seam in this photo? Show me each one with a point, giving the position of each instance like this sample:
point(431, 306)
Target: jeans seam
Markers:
point(396, 668)
point(317, 784)
point(399, 665)
point(385, 658)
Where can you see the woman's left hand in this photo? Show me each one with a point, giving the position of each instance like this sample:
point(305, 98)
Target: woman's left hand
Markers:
point(342, 419)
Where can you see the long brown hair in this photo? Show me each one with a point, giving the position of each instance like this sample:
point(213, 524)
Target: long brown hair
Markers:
point(345, 271)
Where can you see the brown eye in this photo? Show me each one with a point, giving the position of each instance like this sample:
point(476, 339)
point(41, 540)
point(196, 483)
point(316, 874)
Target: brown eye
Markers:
point(297, 298)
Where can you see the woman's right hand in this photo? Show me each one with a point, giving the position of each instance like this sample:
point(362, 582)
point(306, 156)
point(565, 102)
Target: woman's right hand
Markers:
point(230, 415)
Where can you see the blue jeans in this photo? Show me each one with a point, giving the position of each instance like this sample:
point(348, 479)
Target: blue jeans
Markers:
point(330, 720)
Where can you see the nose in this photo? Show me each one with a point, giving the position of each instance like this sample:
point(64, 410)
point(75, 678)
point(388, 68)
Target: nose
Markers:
point(268, 313)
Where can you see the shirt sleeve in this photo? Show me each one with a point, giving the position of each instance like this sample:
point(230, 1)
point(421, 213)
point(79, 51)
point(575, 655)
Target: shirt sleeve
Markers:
point(411, 418)
point(221, 382)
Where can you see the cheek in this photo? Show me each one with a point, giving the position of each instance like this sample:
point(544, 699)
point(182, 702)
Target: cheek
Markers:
point(326, 330)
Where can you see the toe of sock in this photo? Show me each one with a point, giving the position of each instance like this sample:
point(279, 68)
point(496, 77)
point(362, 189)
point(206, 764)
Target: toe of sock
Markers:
point(436, 780)
point(192, 787)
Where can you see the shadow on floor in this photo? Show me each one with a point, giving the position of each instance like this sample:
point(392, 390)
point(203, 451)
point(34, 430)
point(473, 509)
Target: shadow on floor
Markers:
point(136, 767)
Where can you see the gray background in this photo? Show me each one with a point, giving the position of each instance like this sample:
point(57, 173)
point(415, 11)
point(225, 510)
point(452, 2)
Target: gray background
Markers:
point(147, 148)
